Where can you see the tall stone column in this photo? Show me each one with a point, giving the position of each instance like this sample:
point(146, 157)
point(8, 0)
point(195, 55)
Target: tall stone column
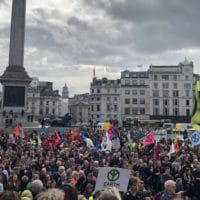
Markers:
point(15, 79)
point(17, 33)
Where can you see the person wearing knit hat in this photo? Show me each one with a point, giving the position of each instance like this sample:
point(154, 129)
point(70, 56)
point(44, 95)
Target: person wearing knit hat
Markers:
point(27, 193)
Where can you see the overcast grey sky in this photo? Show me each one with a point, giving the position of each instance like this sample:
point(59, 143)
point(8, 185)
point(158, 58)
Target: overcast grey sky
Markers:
point(65, 39)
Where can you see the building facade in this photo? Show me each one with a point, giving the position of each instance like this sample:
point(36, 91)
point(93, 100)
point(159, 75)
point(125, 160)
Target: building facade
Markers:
point(43, 101)
point(135, 103)
point(105, 102)
point(172, 91)
point(79, 109)
point(160, 93)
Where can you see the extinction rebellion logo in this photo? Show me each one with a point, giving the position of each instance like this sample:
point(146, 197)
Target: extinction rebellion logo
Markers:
point(112, 176)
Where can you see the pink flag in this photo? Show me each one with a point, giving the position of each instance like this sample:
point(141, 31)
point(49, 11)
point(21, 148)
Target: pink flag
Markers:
point(149, 139)
point(110, 133)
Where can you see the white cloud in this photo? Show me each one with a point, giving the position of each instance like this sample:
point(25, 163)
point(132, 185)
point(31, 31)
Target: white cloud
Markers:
point(65, 39)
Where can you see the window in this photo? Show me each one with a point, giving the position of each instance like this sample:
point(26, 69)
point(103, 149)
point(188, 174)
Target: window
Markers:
point(187, 93)
point(127, 74)
point(165, 111)
point(156, 111)
point(134, 92)
point(92, 91)
point(175, 111)
point(53, 111)
point(115, 107)
point(155, 102)
point(142, 101)
point(175, 102)
point(175, 77)
point(155, 77)
point(98, 91)
point(134, 101)
point(134, 111)
point(47, 111)
point(187, 102)
point(108, 107)
point(142, 92)
point(108, 90)
point(142, 111)
point(127, 82)
point(47, 103)
point(175, 93)
point(98, 98)
point(165, 93)
point(134, 82)
point(175, 85)
point(98, 107)
point(188, 112)
point(155, 85)
point(165, 85)
point(187, 85)
point(41, 111)
point(92, 107)
point(115, 98)
point(127, 91)
point(127, 101)
point(165, 77)
point(187, 77)
point(142, 82)
point(108, 98)
point(127, 111)
point(53, 103)
point(165, 102)
point(156, 93)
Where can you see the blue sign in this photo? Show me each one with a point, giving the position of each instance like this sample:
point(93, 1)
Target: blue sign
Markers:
point(195, 138)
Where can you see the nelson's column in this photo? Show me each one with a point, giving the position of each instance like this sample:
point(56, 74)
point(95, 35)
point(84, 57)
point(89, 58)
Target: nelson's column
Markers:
point(15, 79)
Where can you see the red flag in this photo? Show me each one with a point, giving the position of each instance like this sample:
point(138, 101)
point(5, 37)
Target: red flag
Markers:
point(149, 139)
point(74, 134)
point(17, 131)
point(56, 139)
point(176, 146)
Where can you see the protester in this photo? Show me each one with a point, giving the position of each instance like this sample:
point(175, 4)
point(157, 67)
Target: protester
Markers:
point(169, 193)
point(51, 194)
point(37, 162)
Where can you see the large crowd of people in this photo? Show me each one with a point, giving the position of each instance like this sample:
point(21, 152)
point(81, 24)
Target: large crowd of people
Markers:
point(40, 166)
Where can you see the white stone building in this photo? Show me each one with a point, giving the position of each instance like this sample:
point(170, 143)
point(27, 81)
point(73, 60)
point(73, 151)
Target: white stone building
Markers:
point(171, 91)
point(42, 100)
point(135, 104)
point(105, 102)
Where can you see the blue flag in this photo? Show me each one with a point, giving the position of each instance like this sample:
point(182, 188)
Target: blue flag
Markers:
point(195, 138)
point(63, 133)
point(43, 131)
point(83, 137)
point(96, 141)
